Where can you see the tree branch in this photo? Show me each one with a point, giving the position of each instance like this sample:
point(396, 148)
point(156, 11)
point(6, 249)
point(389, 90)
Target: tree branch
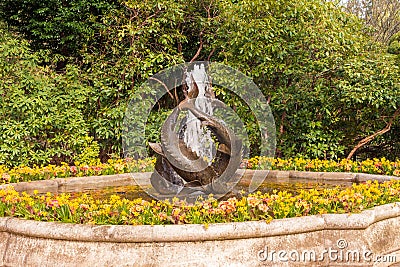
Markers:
point(199, 49)
point(371, 137)
point(164, 85)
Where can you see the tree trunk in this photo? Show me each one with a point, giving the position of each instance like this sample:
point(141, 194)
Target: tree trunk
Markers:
point(371, 137)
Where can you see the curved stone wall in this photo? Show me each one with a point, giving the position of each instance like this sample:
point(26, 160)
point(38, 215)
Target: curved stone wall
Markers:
point(371, 238)
point(61, 185)
point(375, 231)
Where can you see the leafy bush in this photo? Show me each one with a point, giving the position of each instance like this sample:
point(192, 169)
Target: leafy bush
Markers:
point(329, 85)
point(64, 27)
point(394, 44)
point(41, 118)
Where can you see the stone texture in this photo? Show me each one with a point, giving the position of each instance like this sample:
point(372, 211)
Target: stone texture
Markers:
point(362, 177)
point(340, 176)
point(42, 186)
point(3, 239)
point(30, 243)
point(351, 221)
point(93, 182)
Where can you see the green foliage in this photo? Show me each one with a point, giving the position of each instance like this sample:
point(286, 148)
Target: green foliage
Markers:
point(154, 123)
point(138, 41)
point(64, 27)
point(394, 44)
point(328, 84)
point(297, 52)
point(89, 154)
point(40, 111)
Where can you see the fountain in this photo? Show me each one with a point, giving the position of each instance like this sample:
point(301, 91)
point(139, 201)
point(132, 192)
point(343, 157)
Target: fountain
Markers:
point(202, 140)
point(189, 163)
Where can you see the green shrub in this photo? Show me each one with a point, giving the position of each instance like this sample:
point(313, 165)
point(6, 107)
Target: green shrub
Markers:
point(40, 111)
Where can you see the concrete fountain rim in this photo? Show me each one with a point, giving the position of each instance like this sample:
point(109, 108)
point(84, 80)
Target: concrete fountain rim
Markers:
point(198, 232)
point(194, 232)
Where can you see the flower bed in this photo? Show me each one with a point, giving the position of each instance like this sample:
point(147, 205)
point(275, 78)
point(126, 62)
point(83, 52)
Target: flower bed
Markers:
point(116, 166)
point(112, 166)
point(116, 210)
point(372, 166)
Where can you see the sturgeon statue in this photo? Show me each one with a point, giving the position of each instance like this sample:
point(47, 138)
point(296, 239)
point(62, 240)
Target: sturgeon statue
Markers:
point(179, 170)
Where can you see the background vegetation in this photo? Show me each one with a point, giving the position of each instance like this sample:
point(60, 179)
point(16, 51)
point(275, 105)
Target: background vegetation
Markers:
point(68, 69)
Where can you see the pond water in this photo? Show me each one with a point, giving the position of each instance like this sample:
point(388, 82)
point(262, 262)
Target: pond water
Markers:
point(135, 191)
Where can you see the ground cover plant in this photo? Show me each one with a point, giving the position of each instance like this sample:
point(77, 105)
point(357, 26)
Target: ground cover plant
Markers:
point(257, 206)
point(112, 166)
point(116, 166)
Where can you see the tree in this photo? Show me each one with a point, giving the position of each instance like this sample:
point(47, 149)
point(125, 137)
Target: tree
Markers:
point(63, 27)
point(382, 16)
point(317, 67)
point(330, 86)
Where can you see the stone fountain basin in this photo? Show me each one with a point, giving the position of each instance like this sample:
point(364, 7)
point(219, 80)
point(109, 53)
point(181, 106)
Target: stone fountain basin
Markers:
point(374, 232)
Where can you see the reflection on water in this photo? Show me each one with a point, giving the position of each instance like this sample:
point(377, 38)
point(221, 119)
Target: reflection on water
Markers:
point(134, 191)
point(128, 191)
